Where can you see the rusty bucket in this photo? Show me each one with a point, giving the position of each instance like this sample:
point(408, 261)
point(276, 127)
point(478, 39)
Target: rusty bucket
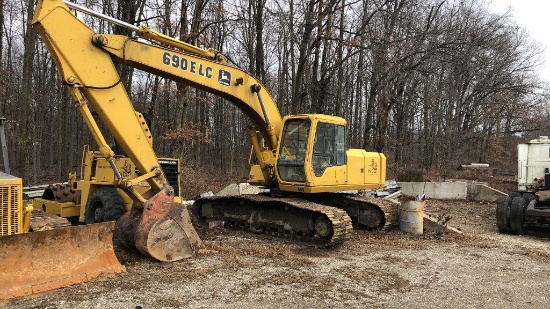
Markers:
point(162, 230)
point(41, 261)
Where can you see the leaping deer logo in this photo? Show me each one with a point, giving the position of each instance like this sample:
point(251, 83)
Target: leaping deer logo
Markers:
point(224, 78)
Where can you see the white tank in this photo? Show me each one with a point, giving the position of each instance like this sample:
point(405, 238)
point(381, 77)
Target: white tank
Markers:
point(533, 163)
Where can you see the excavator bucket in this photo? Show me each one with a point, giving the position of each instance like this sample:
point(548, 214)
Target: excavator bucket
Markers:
point(162, 230)
point(41, 261)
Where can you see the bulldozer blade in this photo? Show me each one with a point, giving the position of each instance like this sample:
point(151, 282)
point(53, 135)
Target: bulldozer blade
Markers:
point(162, 230)
point(40, 261)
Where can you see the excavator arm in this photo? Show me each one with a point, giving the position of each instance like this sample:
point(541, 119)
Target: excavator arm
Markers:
point(203, 69)
point(92, 79)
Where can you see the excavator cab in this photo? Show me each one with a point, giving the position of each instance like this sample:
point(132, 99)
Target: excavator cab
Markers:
point(327, 148)
point(310, 145)
point(313, 157)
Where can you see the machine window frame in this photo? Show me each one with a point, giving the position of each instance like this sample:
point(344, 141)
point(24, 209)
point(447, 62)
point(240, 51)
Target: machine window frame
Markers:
point(329, 148)
point(293, 150)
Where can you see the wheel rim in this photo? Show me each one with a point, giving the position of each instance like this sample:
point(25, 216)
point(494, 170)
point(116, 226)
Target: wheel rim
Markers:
point(98, 212)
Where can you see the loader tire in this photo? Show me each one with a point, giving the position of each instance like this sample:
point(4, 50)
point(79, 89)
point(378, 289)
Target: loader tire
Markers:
point(517, 210)
point(528, 197)
point(503, 215)
point(104, 204)
point(514, 194)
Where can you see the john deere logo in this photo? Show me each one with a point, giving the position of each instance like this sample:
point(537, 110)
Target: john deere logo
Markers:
point(373, 168)
point(224, 78)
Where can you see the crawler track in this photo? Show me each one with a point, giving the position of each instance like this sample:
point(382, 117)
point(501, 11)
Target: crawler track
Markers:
point(367, 213)
point(298, 218)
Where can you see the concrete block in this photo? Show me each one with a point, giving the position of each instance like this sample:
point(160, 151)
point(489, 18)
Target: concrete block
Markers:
point(474, 186)
point(239, 189)
point(486, 194)
point(436, 190)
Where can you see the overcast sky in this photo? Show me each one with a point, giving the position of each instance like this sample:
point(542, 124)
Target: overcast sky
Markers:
point(534, 15)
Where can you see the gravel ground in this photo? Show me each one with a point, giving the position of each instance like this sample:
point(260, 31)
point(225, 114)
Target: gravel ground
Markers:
point(478, 269)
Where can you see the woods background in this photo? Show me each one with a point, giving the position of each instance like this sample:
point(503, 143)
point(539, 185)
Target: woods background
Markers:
point(432, 84)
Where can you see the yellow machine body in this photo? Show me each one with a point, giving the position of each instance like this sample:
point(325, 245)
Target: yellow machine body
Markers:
point(96, 173)
point(312, 157)
point(14, 215)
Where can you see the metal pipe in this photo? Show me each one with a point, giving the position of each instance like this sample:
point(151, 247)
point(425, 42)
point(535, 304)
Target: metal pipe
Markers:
point(148, 33)
point(101, 16)
point(115, 169)
point(4, 145)
point(256, 88)
point(270, 138)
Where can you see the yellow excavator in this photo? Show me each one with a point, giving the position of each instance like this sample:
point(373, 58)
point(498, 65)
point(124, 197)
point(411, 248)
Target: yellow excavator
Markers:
point(302, 159)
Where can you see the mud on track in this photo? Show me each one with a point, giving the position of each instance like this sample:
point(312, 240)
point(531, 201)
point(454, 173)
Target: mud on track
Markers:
point(480, 268)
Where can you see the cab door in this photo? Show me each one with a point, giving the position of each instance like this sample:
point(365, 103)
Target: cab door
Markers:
point(329, 155)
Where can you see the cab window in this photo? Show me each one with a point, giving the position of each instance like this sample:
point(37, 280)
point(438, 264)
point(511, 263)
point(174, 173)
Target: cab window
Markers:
point(329, 148)
point(293, 150)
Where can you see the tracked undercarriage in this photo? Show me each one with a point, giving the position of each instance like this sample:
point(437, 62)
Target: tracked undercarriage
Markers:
point(367, 213)
point(279, 216)
point(324, 219)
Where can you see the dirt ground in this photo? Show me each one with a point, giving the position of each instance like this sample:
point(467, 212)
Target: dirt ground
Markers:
point(478, 269)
